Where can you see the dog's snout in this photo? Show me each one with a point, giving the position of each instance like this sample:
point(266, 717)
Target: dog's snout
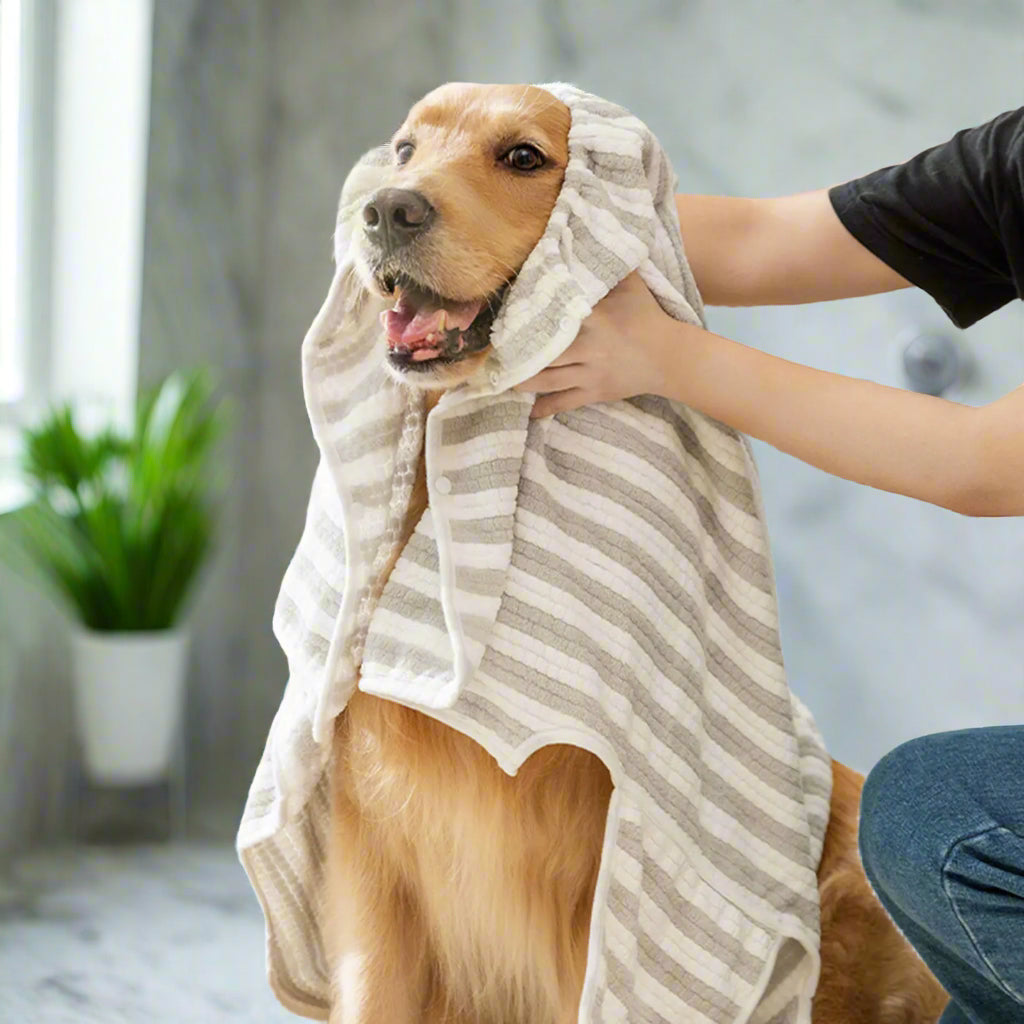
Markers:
point(395, 216)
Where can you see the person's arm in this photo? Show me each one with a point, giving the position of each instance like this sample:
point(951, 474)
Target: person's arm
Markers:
point(970, 460)
point(948, 220)
point(760, 252)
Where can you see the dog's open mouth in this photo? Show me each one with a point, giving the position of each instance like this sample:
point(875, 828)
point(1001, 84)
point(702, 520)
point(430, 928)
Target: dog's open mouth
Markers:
point(425, 329)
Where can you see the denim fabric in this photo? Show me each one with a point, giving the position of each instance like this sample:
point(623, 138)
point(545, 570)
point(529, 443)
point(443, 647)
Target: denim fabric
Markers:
point(942, 839)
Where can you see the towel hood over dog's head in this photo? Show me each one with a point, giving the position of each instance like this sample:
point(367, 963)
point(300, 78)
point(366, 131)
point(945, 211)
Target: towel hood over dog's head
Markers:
point(435, 224)
point(600, 578)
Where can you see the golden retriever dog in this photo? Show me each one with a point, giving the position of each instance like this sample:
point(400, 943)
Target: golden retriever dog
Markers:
point(470, 902)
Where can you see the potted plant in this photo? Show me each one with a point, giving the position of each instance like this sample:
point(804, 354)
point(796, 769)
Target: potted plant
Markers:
point(119, 526)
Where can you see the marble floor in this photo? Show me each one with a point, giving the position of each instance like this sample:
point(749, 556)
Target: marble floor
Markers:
point(132, 935)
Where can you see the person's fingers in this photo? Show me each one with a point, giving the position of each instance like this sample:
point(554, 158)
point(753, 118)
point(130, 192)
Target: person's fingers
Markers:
point(578, 352)
point(631, 282)
point(560, 401)
point(575, 353)
point(553, 378)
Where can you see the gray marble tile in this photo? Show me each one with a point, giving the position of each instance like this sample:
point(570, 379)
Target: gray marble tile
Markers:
point(994, 15)
point(105, 936)
point(35, 717)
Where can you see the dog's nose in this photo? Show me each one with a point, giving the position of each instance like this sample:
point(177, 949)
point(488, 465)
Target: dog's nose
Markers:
point(395, 216)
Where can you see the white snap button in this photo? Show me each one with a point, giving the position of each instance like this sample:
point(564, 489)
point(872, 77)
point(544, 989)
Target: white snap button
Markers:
point(443, 485)
point(565, 323)
point(494, 376)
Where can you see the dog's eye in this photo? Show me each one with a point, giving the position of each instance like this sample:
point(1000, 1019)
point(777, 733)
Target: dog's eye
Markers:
point(524, 158)
point(403, 152)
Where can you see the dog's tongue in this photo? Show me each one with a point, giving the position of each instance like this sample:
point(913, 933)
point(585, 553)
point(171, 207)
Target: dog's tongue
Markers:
point(417, 320)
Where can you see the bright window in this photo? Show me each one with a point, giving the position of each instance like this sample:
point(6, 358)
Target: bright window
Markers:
point(12, 183)
point(74, 120)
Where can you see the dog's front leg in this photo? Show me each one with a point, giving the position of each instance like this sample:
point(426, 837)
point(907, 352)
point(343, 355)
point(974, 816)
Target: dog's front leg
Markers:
point(375, 945)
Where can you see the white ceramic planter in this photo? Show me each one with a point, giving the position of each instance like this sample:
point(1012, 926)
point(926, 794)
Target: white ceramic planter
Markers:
point(129, 695)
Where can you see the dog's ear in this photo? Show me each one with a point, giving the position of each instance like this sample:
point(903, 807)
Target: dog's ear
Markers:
point(369, 174)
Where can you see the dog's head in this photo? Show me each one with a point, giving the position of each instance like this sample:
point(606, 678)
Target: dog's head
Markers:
point(441, 221)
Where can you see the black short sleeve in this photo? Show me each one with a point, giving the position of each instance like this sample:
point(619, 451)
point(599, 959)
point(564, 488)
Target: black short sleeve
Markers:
point(951, 219)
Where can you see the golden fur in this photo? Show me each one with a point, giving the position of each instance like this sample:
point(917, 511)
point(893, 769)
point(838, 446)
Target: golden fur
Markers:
point(455, 892)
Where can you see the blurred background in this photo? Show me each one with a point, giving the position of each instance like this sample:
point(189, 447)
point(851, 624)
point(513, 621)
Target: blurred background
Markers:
point(170, 173)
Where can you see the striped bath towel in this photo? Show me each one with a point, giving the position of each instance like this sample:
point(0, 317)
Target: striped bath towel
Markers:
point(600, 578)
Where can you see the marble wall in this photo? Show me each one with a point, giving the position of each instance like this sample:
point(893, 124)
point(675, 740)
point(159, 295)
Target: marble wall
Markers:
point(35, 717)
point(258, 111)
point(202, 275)
point(897, 618)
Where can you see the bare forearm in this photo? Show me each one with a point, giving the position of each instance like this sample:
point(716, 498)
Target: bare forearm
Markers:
point(897, 441)
point(793, 249)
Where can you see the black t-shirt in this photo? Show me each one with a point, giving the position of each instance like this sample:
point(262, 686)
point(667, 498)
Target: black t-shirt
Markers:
point(950, 220)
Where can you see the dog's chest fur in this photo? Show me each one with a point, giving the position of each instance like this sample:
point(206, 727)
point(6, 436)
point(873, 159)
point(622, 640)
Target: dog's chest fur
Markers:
point(480, 857)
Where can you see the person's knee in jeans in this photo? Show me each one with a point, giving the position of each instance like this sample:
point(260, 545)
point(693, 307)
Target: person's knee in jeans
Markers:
point(899, 850)
point(945, 864)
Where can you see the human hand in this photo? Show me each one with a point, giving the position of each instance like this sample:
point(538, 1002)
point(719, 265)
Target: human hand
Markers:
point(620, 351)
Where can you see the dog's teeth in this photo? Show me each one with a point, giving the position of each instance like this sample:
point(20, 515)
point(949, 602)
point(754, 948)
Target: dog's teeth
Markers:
point(443, 323)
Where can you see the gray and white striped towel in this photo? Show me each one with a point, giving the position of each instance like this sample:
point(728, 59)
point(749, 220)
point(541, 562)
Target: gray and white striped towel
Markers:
point(600, 578)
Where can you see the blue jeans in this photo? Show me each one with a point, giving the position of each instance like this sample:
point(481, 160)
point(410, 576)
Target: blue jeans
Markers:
point(942, 839)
